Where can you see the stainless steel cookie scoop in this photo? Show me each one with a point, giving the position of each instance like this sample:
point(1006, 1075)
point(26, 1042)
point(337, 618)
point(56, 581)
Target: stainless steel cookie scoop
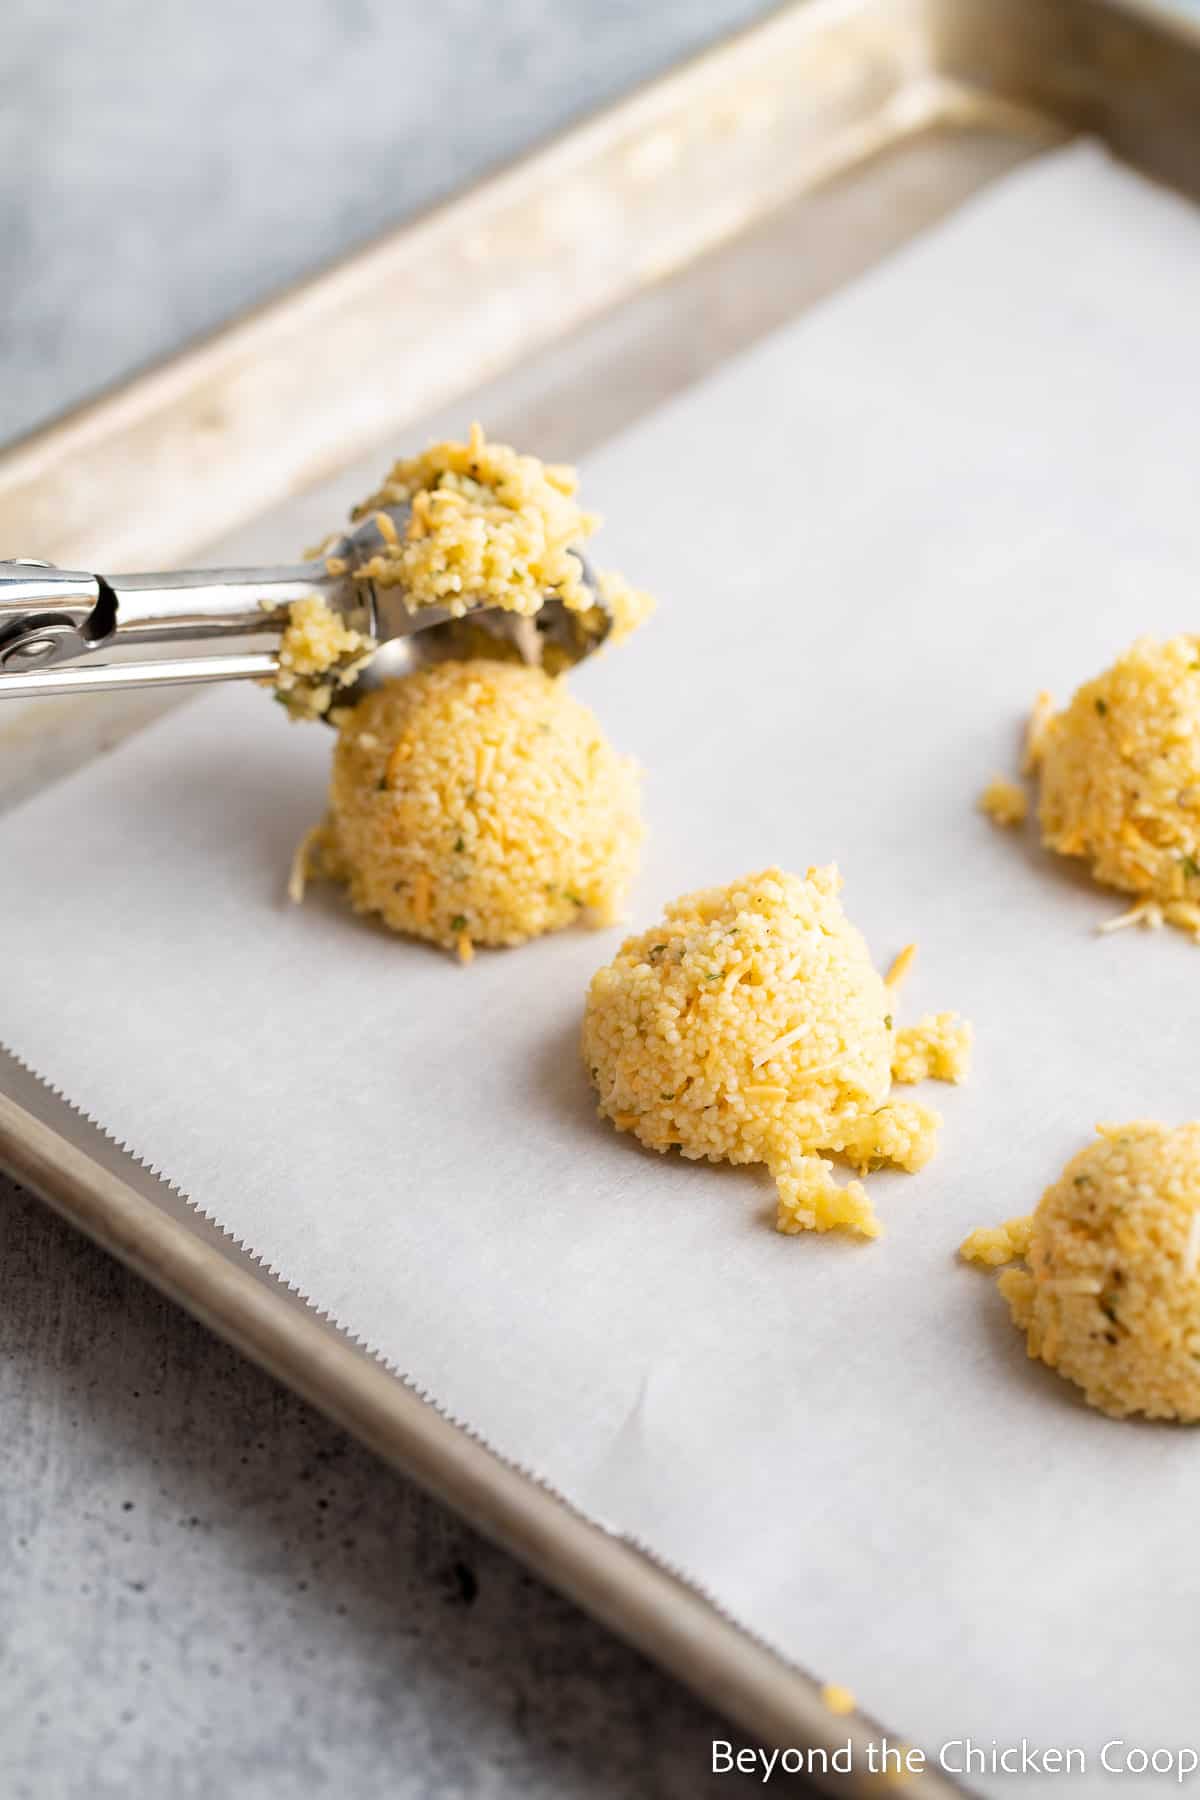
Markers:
point(66, 632)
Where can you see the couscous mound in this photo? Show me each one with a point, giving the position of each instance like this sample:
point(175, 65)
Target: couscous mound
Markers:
point(477, 803)
point(1110, 1296)
point(751, 1026)
point(1120, 779)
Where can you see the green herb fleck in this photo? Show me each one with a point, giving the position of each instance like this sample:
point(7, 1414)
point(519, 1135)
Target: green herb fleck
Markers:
point(573, 898)
point(655, 951)
point(458, 922)
point(887, 1021)
point(1101, 707)
point(666, 1096)
point(1191, 867)
point(382, 784)
point(459, 846)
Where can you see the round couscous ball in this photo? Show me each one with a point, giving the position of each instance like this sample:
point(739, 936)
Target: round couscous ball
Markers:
point(750, 1025)
point(478, 803)
point(1120, 778)
point(1110, 1294)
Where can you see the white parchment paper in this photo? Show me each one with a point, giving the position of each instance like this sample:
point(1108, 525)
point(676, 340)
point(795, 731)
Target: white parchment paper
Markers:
point(973, 475)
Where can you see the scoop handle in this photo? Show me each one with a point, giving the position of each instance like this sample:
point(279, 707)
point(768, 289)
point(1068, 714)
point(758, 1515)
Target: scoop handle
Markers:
point(67, 631)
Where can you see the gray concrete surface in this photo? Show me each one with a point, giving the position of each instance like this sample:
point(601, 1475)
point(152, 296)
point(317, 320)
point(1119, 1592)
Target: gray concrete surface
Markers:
point(206, 1590)
point(165, 164)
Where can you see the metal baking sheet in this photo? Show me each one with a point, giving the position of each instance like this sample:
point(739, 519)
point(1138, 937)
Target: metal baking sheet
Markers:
point(823, 139)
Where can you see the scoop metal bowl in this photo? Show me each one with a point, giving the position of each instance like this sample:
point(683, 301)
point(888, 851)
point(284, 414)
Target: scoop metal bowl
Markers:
point(64, 631)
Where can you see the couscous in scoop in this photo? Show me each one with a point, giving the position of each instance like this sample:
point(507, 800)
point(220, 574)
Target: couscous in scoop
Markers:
point(469, 549)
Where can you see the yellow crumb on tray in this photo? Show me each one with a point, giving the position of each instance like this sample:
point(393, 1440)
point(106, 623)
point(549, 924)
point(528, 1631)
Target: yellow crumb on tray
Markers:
point(750, 1026)
point(994, 1245)
point(478, 803)
point(318, 653)
point(1109, 1290)
point(937, 1048)
point(1004, 802)
point(837, 1699)
point(1120, 780)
